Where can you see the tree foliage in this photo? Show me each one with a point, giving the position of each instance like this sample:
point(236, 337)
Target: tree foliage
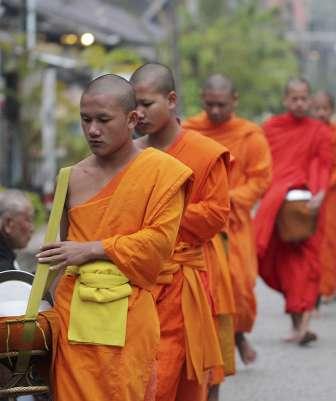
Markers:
point(246, 43)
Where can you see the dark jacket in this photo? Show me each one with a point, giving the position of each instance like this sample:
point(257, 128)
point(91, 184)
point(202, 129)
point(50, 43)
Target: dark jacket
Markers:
point(7, 256)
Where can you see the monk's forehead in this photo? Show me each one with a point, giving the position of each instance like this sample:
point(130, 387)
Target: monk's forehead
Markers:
point(151, 83)
point(297, 87)
point(322, 98)
point(218, 91)
point(101, 101)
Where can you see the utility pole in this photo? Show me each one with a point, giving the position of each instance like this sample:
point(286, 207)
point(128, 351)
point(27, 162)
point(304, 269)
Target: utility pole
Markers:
point(175, 34)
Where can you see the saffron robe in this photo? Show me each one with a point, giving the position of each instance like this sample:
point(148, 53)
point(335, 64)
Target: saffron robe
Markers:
point(292, 269)
point(136, 216)
point(189, 344)
point(328, 246)
point(249, 178)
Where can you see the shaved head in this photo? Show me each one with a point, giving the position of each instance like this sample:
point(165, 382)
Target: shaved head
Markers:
point(219, 98)
point(293, 83)
point(156, 75)
point(322, 106)
point(296, 97)
point(218, 82)
point(325, 96)
point(113, 85)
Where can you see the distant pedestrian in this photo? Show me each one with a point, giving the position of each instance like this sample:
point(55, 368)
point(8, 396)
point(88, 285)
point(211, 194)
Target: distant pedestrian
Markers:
point(322, 108)
point(16, 226)
point(300, 146)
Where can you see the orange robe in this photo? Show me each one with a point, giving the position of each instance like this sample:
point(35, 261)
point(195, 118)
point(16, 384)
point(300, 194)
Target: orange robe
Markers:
point(189, 344)
point(249, 178)
point(136, 216)
point(328, 246)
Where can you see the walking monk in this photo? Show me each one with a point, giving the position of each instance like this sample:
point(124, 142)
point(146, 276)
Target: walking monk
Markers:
point(124, 208)
point(322, 108)
point(293, 268)
point(250, 177)
point(189, 345)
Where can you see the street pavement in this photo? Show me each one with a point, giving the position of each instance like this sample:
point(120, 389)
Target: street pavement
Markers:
point(283, 371)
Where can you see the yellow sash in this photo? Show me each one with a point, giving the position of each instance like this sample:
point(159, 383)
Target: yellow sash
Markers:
point(99, 304)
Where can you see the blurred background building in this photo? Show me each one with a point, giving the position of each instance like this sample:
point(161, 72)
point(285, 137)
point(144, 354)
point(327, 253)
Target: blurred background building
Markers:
point(50, 48)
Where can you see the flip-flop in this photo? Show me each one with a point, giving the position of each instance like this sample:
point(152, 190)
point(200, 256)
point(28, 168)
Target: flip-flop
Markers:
point(308, 338)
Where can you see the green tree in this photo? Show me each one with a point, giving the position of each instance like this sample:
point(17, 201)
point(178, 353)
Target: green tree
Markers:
point(246, 43)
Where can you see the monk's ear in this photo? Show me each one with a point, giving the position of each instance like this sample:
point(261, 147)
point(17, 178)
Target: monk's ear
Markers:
point(132, 119)
point(172, 100)
point(6, 225)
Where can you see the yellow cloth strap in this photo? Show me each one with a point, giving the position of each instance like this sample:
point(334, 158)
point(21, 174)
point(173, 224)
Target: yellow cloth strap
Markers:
point(99, 305)
point(43, 278)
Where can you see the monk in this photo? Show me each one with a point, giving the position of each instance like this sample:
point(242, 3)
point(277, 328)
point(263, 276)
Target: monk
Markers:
point(189, 346)
point(250, 177)
point(322, 108)
point(293, 268)
point(124, 208)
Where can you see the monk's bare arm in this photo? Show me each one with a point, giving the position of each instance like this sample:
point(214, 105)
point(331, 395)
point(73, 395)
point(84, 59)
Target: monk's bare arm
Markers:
point(258, 173)
point(139, 255)
point(203, 220)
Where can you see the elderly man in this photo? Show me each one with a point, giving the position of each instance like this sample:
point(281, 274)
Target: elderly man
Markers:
point(16, 226)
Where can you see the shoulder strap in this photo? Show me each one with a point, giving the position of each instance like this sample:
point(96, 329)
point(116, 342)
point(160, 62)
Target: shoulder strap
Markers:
point(43, 277)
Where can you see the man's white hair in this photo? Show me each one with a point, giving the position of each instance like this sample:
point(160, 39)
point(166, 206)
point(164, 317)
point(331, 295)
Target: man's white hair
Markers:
point(13, 201)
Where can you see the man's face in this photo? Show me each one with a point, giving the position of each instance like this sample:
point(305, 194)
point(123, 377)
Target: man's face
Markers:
point(106, 125)
point(154, 108)
point(297, 100)
point(219, 105)
point(321, 108)
point(18, 228)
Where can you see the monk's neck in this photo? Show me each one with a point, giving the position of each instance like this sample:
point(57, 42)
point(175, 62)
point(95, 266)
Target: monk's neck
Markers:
point(221, 124)
point(165, 137)
point(296, 119)
point(119, 158)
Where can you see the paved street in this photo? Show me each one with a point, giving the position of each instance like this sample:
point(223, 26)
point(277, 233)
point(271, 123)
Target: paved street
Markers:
point(285, 372)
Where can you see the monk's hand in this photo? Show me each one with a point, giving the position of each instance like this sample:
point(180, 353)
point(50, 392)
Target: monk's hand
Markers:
point(316, 201)
point(61, 254)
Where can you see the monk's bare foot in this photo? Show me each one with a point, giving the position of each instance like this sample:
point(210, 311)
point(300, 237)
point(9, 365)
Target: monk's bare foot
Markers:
point(292, 337)
point(307, 338)
point(327, 299)
point(316, 314)
point(213, 394)
point(247, 353)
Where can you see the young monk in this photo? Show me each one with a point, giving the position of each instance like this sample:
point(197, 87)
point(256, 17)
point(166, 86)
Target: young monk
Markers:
point(124, 207)
point(296, 141)
point(322, 108)
point(250, 177)
point(189, 345)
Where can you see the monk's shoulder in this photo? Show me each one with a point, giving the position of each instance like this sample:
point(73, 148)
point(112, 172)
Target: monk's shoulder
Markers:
point(158, 162)
point(198, 143)
point(193, 122)
point(248, 127)
point(78, 170)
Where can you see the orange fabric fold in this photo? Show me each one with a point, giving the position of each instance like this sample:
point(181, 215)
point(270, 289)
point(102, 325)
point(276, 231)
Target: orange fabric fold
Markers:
point(137, 232)
point(249, 178)
point(193, 336)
